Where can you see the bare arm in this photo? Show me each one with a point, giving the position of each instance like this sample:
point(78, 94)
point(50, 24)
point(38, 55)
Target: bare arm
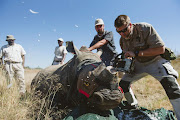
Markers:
point(98, 44)
point(1, 61)
point(147, 52)
point(62, 62)
point(152, 51)
point(23, 58)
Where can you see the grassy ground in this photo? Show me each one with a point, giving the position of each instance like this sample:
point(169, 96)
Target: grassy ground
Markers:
point(12, 107)
point(148, 91)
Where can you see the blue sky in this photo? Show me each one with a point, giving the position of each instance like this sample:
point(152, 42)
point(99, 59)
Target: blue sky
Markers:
point(73, 20)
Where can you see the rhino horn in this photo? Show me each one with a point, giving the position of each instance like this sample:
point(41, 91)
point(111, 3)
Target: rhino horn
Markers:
point(71, 48)
point(104, 73)
point(96, 72)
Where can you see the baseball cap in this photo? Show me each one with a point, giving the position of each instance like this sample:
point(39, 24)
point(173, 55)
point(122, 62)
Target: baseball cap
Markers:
point(99, 22)
point(60, 39)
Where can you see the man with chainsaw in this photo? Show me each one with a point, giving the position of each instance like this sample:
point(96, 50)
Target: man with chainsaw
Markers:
point(142, 43)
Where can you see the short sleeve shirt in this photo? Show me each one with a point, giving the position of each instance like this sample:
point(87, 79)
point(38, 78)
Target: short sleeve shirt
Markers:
point(144, 36)
point(12, 53)
point(59, 53)
point(109, 49)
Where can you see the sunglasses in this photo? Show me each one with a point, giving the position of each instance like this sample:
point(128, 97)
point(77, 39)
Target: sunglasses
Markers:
point(98, 26)
point(10, 40)
point(123, 31)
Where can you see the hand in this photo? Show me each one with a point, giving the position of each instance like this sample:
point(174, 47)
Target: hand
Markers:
point(129, 54)
point(89, 49)
point(23, 65)
point(62, 63)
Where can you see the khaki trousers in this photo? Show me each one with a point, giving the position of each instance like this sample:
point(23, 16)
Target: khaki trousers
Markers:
point(17, 70)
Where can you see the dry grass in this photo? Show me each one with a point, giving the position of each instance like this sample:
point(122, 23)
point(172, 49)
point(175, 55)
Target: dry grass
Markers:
point(150, 94)
point(29, 75)
point(11, 106)
point(148, 91)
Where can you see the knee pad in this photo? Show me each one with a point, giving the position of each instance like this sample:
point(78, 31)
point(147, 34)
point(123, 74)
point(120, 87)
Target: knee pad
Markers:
point(124, 85)
point(171, 87)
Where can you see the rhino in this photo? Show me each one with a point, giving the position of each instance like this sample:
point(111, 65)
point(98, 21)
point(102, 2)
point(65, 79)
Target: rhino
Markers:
point(84, 79)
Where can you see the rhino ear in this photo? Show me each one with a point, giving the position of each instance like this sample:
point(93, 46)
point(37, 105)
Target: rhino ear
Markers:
point(71, 48)
point(83, 48)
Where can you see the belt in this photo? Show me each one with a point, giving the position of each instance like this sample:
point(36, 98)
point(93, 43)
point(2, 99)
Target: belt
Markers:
point(57, 61)
point(12, 62)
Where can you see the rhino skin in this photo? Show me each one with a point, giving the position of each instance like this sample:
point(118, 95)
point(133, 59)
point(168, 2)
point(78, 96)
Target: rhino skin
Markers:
point(61, 87)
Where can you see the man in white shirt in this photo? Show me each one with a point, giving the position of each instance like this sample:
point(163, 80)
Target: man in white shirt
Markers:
point(13, 57)
point(60, 53)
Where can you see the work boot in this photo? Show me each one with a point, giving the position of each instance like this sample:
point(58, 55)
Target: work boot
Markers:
point(134, 107)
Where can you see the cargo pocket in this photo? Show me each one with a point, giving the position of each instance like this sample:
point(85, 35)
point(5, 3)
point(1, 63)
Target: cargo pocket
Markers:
point(170, 70)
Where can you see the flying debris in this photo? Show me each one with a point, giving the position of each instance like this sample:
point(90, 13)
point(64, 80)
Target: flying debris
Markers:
point(44, 22)
point(76, 26)
point(54, 30)
point(33, 11)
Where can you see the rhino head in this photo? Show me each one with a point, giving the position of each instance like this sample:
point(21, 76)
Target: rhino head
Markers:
point(97, 82)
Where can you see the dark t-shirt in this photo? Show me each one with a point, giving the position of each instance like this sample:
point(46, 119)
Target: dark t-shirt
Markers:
point(109, 49)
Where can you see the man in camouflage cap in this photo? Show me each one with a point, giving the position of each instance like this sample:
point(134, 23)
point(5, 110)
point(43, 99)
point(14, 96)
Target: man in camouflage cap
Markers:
point(141, 42)
point(104, 42)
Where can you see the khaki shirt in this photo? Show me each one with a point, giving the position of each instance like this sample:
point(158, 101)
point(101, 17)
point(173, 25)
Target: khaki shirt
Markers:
point(144, 36)
point(12, 53)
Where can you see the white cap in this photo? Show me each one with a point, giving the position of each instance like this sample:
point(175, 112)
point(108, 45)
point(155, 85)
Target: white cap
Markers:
point(60, 39)
point(99, 22)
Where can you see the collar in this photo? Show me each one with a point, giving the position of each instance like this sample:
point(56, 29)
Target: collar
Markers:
point(11, 45)
point(101, 35)
point(131, 34)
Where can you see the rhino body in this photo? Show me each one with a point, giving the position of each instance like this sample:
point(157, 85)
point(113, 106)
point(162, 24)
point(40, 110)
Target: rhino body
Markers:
point(82, 80)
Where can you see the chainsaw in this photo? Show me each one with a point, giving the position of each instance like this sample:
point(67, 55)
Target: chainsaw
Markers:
point(123, 64)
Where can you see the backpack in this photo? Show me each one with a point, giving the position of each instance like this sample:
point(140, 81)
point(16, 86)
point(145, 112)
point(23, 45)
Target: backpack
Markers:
point(168, 54)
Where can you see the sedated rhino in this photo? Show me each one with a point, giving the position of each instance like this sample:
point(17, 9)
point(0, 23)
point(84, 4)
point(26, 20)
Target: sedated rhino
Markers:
point(82, 80)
